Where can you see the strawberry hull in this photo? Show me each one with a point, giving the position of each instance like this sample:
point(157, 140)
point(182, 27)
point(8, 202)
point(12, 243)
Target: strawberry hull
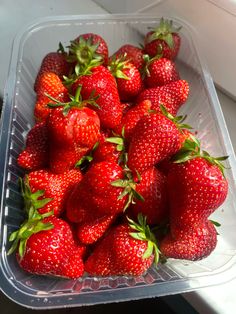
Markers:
point(203, 113)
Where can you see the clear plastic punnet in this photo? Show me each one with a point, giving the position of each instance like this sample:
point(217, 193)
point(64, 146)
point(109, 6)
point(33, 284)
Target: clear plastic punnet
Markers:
point(203, 113)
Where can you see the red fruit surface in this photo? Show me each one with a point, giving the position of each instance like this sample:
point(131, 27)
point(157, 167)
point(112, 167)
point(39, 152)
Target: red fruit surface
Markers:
point(131, 118)
point(54, 62)
point(133, 54)
point(51, 84)
point(172, 96)
point(196, 189)
point(50, 252)
point(102, 84)
point(35, 154)
point(153, 189)
point(155, 137)
point(55, 186)
point(197, 243)
point(71, 136)
point(119, 254)
point(161, 72)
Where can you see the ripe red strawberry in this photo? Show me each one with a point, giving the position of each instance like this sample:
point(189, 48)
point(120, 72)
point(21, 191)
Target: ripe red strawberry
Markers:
point(47, 247)
point(73, 131)
point(172, 96)
point(160, 71)
point(100, 82)
point(48, 191)
point(35, 154)
point(51, 84)
point(88, 47)
point(152, 187)
point(96, 192)
point(128, 249)
point(93, 229)
point(131, 118)
point(164, 36)
point(155, 137)
point(107, 151)
point(196, 188)
point(197, 243)
point(132, 54)
point(53, 62)
point(128, 78)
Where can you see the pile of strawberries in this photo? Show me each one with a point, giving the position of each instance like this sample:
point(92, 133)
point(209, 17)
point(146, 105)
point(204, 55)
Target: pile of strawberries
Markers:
point(114, 180)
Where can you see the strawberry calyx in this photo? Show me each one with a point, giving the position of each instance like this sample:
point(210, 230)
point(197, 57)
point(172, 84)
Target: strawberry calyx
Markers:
point(129, 187)
point(84, 161)
point(164, 32)
point(143, 232)
point(32, 200)
point(191, 149)
point(83, 53)
point(120, 142)
point(117, 65)
point(148, 61)
point(175, 119)
point(76, 101)
point(33, 223)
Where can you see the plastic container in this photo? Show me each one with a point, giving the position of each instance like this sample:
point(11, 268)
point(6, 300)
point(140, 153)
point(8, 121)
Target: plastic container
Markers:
point(204, 114)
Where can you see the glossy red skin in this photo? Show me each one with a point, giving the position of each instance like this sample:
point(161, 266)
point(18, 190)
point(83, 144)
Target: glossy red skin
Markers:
point(152, 48)
point(133, 54)
point(94, 228)
point(71, 136)
point(102, 48)
point(194, 244)
point(153, 189)
point(118, 254)
point(53, 62)
point(35, 154)
point(129, 88)
point(103, 83)
point(161, 72)
point(51, 84)
point(53, 252)
point(131, 118)
point(95, 195)
point(172, 96)
point(196, 189)
point(155, 137)
point(55, 186)
point(106, 152)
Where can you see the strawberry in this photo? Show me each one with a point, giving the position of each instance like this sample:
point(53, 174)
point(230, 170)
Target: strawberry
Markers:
point(50, 83)
point(197, 187)
point(159, 71)
point(132, 54)
point(35, 154)
point(164, 36)
point(53, 62)
point(197, 243)
point(152, 187)
point(109, 151)
point(86, 48)
point(128, 78)
point(102, 84)
point(155, 137)
point(43, 186)
point(45, 246)
point(131, 118)
point(172, 96)
point(128, 249)
point(96, 192)
point(93, 229)
point(73, 130)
